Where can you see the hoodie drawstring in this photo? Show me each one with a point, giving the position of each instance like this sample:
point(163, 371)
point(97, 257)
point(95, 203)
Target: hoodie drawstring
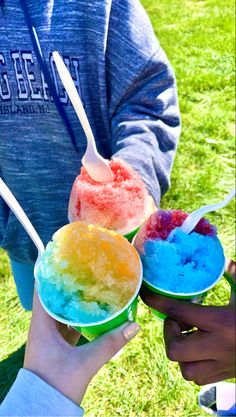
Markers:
point(46, 73)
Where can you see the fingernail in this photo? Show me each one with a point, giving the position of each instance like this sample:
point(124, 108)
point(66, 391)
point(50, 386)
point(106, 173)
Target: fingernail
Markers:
point(131, 330)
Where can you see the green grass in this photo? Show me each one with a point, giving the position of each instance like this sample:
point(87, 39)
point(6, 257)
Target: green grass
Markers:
point(198, 37)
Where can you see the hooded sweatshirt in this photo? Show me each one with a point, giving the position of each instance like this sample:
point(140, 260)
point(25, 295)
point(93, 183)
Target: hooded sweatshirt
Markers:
point(128, 90)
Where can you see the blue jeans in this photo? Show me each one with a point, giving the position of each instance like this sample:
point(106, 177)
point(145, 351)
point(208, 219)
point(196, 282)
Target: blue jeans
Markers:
point(24, 278)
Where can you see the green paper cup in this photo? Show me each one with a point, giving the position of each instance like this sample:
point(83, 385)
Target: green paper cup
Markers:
point(94, 329)
point(193, 297)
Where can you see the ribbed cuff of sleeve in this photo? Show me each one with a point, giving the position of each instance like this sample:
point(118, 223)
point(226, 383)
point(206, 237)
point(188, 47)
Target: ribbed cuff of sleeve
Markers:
point(31, 396)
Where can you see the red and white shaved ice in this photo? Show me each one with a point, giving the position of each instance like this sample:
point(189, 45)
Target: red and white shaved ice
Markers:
point(118, 205)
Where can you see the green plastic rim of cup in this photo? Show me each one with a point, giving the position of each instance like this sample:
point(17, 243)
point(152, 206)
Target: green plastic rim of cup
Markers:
point(94, 329)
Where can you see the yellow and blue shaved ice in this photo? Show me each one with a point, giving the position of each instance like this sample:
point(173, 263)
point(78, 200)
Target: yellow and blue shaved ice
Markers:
point(87, 273)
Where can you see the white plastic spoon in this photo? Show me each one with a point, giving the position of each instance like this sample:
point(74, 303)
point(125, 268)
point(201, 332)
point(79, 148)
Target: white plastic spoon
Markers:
point(96, 166)
point(194, 217)
point(21, 216)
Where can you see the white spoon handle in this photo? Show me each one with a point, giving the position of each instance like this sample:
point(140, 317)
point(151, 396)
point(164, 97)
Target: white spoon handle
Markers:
point(194, 217)
point(74, 96)
point(97, 167)
point(21, 216)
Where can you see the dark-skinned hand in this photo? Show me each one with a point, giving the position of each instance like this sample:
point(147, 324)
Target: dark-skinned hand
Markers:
point(206, 354)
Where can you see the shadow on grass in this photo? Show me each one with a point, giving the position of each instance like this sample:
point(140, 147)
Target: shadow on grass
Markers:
point(9, 368)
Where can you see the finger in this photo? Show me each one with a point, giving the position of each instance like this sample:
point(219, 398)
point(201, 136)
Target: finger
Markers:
point(230, 275)
point(190, 347)
point(151, 206)
point(185, 327)
point(44, 326)
point(97, 353)
point(202, 372)
point(69, 334)
point(195, 315)
point(231, 267)
point(172, 331)
point(41, 321)
point(199, 372)
point(216, 378)
point(182, 327)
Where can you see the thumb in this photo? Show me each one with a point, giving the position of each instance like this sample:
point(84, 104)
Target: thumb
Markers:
point(106, 346)
point(172, 330)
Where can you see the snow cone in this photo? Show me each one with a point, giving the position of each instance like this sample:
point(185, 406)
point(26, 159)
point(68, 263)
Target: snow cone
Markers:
point(119, 205)
point(176, 264)
point(89, 278)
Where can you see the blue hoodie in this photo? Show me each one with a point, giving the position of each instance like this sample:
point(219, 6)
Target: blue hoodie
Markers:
point(128, 90)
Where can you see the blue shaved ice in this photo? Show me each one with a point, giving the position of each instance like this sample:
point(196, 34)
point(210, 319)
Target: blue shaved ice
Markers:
point(183, 263)
point(62, 295)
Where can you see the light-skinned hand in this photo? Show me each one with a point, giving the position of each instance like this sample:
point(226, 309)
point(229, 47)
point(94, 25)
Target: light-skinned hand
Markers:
point(52, 355)
point(151, 207)
point(207, 353)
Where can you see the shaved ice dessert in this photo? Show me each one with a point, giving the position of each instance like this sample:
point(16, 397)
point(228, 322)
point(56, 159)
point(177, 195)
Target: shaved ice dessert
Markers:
point(118, 205)
point(87, 273)
point(176, 262)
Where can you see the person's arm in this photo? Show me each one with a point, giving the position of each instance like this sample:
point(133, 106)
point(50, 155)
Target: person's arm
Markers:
point(56, 373)
point(144, 112)
point(32, 396)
